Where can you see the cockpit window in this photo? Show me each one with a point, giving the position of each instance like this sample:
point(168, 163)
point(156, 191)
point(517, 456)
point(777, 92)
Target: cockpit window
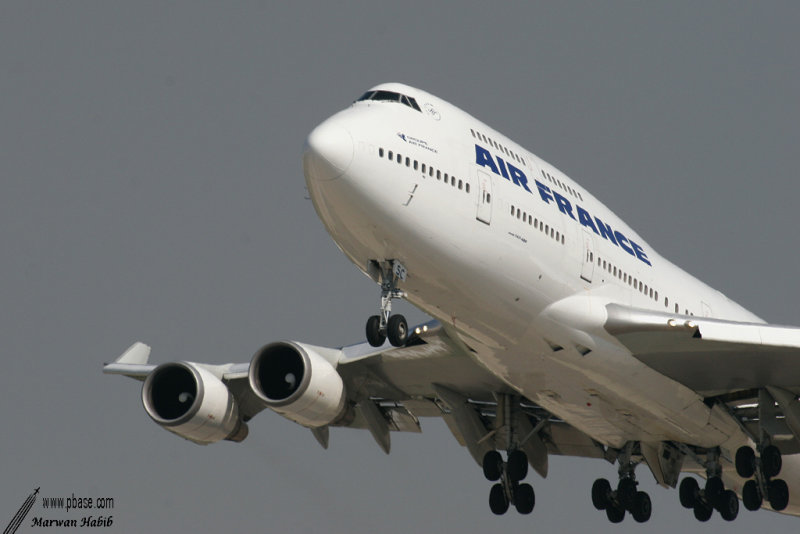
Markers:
point(390, 96)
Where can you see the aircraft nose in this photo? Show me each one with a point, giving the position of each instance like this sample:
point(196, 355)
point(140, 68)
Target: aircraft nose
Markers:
point(329, 151)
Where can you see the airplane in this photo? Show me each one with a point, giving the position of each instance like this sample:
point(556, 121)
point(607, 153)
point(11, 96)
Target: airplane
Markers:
point(556, 328)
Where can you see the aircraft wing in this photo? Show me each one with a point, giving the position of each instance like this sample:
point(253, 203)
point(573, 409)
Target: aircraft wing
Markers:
point(710, 356)
point(389, 389)
point(753, 368)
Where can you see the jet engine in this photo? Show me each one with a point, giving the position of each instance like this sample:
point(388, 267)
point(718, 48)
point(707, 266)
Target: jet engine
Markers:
point(192, 402)
point(299, 382)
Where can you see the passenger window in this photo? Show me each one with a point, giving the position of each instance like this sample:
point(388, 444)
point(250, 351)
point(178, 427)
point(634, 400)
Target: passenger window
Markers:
point(399, 159)
point(423, 168)
point(467, 187)
point(416, 165)
point(438, 174)
point(391, 155)
point(408, 161)
point(460, 184)
point(380, 152)
point(430, 171)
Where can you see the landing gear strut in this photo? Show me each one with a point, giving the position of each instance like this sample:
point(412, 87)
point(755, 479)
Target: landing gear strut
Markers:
point(384, 325)
point(626, 497)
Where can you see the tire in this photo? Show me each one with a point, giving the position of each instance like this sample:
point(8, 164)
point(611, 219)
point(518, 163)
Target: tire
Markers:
point(397, 330)
point(517, 467)
point(601, 494)
point(728, 505)
point(714, 490)
point(688, 491)
point(374, 335)
point(614, 514)
point(492, 466)
point(524, 498)
point(626, 493)
point(751, 496)
point(642, 507)
point(745, 462)
point(497, 500)
point(702, 511)
point(771, 461)
point(778, 495)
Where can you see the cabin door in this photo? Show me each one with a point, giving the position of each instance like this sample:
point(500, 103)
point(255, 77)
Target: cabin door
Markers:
point(484, 197)
point(587, 269)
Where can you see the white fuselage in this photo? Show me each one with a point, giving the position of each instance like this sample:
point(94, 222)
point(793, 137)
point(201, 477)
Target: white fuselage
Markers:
point(497, 251)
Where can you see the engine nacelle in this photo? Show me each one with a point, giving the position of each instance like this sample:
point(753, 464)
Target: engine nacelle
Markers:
point(299, 383)
point(192, 402)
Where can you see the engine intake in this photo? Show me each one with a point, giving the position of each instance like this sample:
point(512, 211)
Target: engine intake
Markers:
point(298, 382)
point(193, 403)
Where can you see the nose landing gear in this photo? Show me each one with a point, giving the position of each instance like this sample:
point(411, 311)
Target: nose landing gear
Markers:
point(384, 325)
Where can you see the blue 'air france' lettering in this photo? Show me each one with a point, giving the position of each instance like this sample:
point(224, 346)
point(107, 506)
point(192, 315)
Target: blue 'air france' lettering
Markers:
point(505, 169)
point(501, 168)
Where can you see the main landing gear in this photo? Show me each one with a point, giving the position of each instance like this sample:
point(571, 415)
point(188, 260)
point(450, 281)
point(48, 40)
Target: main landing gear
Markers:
point(508, 490)
point(764, 484)
point(713, 496)
point(384, 325)
point(626, 498)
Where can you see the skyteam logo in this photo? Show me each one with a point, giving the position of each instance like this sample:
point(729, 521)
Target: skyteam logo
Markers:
point(511, 173)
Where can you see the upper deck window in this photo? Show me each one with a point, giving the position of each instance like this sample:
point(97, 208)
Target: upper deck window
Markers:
point(390, 96)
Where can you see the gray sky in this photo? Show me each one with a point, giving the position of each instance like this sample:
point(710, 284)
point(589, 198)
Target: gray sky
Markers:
point(151, 190)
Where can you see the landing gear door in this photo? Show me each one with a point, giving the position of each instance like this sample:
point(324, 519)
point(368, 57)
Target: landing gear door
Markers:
point(587, 269)
point(484, 197)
